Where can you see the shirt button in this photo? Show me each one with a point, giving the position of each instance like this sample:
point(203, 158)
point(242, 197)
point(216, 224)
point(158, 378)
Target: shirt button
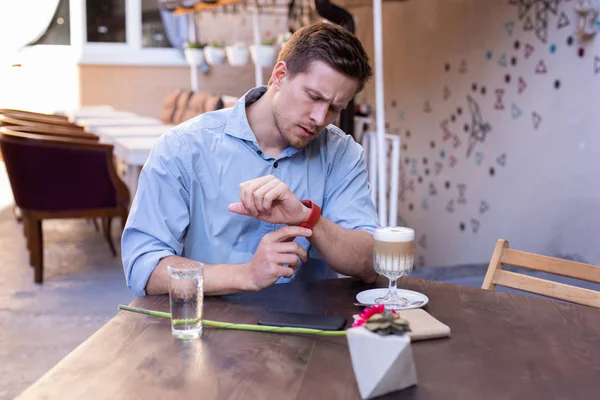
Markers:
point(275, 164)
point(258, 152)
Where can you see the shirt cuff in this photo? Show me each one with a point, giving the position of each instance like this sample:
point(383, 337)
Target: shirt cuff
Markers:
point(142, 269)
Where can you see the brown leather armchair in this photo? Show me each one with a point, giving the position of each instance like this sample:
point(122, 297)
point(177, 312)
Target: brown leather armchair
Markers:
point(53, 178)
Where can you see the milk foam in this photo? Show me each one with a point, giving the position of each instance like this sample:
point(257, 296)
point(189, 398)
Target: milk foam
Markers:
point(394, 234)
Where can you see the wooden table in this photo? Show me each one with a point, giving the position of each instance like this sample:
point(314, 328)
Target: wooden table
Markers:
point(109, 134)
point(503, 346)
point(95, 122)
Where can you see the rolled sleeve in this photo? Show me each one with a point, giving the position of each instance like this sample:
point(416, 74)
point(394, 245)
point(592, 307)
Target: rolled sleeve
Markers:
point(348, 200)
point(159, 214)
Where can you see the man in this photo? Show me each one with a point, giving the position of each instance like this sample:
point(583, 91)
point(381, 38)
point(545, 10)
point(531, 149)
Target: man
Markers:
point(225, 188)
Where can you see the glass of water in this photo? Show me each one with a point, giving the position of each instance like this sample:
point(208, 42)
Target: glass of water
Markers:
point(186, 297)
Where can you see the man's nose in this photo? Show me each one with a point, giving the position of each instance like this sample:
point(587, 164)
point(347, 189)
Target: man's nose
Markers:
point(319, 114)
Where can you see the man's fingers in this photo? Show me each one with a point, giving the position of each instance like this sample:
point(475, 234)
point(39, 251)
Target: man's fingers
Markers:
point(286, 232)
point(291, 248)
point(274, 193)
point(247, 190)
point(287, 258)
point(285, 272)
point(238, 208)
point(259, 195)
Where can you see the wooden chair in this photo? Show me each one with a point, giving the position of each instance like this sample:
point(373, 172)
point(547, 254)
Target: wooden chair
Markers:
point(503, 255)
point(55, 178)
point(27, 114)
point(24, 119)
point(64, 132)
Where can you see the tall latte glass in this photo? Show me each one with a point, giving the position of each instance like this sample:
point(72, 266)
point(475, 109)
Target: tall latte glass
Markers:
point(393, 256)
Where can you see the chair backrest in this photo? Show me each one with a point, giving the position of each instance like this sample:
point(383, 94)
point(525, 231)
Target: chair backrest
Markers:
point(53, 174)
point(54, 130)
point(181, 105)
point(29, 119)
point(504, 255)
point(199, 104)
point(32, 113)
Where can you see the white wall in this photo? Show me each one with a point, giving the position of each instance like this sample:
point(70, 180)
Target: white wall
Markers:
point(546, 197)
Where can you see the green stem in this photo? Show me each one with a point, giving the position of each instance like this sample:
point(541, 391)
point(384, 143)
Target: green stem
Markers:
point(242, 327)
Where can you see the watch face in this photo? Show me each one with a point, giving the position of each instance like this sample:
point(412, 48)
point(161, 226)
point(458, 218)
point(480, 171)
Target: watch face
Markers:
point(307, 203)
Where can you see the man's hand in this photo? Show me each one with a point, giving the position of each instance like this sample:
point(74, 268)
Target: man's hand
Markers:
point(269, 199)
point(274, 251)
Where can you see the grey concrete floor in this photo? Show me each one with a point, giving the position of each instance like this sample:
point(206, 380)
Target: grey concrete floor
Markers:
point(41, 324)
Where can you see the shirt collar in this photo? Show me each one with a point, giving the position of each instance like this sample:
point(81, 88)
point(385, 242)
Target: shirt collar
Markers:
point(237, 123)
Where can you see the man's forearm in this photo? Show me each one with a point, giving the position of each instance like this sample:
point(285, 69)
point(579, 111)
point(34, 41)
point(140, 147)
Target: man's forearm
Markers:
point(218, 278)
point(346, 251)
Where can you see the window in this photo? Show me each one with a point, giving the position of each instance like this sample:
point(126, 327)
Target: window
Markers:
point(59, 30)
point(106, 21)
point(153, 31)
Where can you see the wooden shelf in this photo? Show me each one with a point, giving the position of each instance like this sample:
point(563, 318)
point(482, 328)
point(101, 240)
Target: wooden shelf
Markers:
point(198, 7)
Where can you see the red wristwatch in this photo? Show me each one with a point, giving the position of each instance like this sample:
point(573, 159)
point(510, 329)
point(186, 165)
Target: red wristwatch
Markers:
point(313, 217)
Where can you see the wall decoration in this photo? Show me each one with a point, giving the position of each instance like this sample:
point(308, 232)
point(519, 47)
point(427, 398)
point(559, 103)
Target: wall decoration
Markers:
point(542, 10)
point(422, 242)
point(596, 64)
point(540, 68)
point(563, 20)
point(479, 129)
point(537, 120)
point(456, 142)
point(499, 105)
point(515, 111)
point(478, 158)
point(437, 167)
point(503, 61)
point(452, 161)
point(446, 133)
point(510, 26)
point(522, 85)
point(462, 188)
point(483, 206)
point(528, 24)
point(587, 11)
point(463, 67)
point(425, 204)
point(475, 225)
point(450, 206)
point(446, 93)
point(427, 107)
point(432, 189)
point(501, 160)
point(529, 49)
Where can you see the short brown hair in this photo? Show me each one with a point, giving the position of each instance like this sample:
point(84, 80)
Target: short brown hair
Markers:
point(331, 44)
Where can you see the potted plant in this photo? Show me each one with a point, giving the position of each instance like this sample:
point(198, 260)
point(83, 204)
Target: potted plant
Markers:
point(380, 352)
point(264, 55)
point(237, 54)
point(194, 53)
point(282, 39)
point(215, 53)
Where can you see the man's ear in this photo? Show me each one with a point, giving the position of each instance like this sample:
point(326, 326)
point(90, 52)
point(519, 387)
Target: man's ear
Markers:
point(279, 73)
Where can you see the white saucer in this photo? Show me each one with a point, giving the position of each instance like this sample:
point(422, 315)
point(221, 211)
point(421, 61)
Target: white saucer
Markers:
point(368, 297)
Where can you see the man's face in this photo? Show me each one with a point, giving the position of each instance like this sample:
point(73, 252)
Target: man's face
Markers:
point(307, 102)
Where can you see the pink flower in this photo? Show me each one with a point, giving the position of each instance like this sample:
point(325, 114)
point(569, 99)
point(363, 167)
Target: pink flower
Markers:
point(360, 319)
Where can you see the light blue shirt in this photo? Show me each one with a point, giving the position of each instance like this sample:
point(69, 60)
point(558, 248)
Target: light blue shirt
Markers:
point(194, 171)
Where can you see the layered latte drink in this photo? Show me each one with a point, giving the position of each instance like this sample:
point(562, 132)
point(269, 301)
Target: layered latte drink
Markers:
point(393, 252)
